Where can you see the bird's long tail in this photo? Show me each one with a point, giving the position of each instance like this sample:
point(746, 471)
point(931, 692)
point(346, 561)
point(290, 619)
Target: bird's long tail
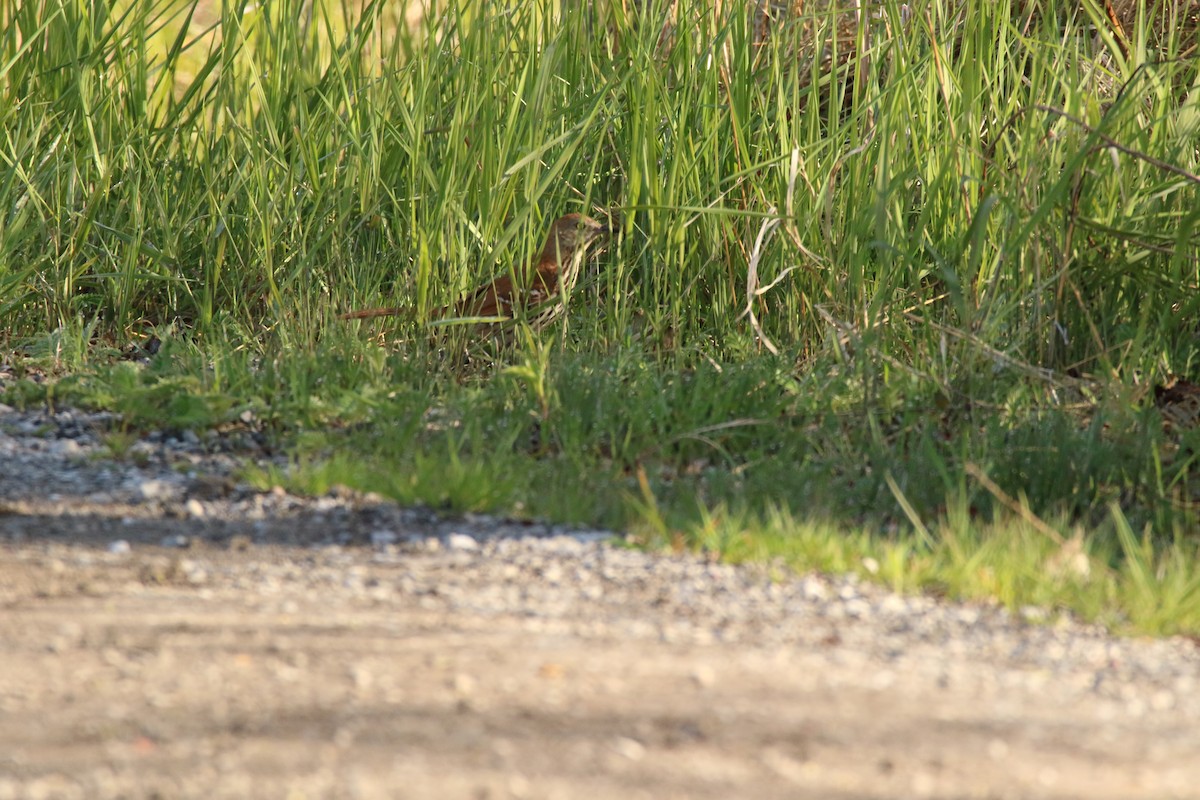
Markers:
point(372, 313)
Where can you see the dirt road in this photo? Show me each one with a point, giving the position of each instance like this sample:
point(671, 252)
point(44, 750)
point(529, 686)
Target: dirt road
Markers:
point(160, 638)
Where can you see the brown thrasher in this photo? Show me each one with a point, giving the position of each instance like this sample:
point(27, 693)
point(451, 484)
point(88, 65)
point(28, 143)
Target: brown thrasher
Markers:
point(556, 268)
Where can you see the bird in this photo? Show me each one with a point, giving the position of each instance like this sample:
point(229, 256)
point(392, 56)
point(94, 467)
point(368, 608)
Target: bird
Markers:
point(554, 271)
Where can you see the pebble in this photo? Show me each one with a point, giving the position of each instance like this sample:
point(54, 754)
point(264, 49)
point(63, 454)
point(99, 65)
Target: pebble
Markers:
point(629, 748)
point(155, 489)
point(460, 541)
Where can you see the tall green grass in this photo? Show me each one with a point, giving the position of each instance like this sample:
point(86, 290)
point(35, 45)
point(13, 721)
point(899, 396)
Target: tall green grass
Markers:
point(847, 269)
point(298, 166)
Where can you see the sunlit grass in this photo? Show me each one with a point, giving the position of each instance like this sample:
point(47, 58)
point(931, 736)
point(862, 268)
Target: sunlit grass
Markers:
point(897, 311)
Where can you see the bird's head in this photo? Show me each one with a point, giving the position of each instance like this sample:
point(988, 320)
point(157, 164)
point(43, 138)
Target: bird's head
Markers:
point(569, 235)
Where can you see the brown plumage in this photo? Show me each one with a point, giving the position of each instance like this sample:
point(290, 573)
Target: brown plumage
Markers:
point(556, 266)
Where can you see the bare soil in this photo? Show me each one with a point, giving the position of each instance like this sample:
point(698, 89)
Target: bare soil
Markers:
point(251, 673)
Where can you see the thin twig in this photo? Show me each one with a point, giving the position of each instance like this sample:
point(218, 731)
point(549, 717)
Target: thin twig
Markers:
point(846, 330)
point(1114, 144)
point(1012, 505)
point(1023, 511)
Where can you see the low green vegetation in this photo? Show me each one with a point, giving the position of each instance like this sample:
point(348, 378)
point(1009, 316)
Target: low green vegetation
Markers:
point(903, 317)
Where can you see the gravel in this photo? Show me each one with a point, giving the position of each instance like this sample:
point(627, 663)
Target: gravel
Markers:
point(171, 517)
